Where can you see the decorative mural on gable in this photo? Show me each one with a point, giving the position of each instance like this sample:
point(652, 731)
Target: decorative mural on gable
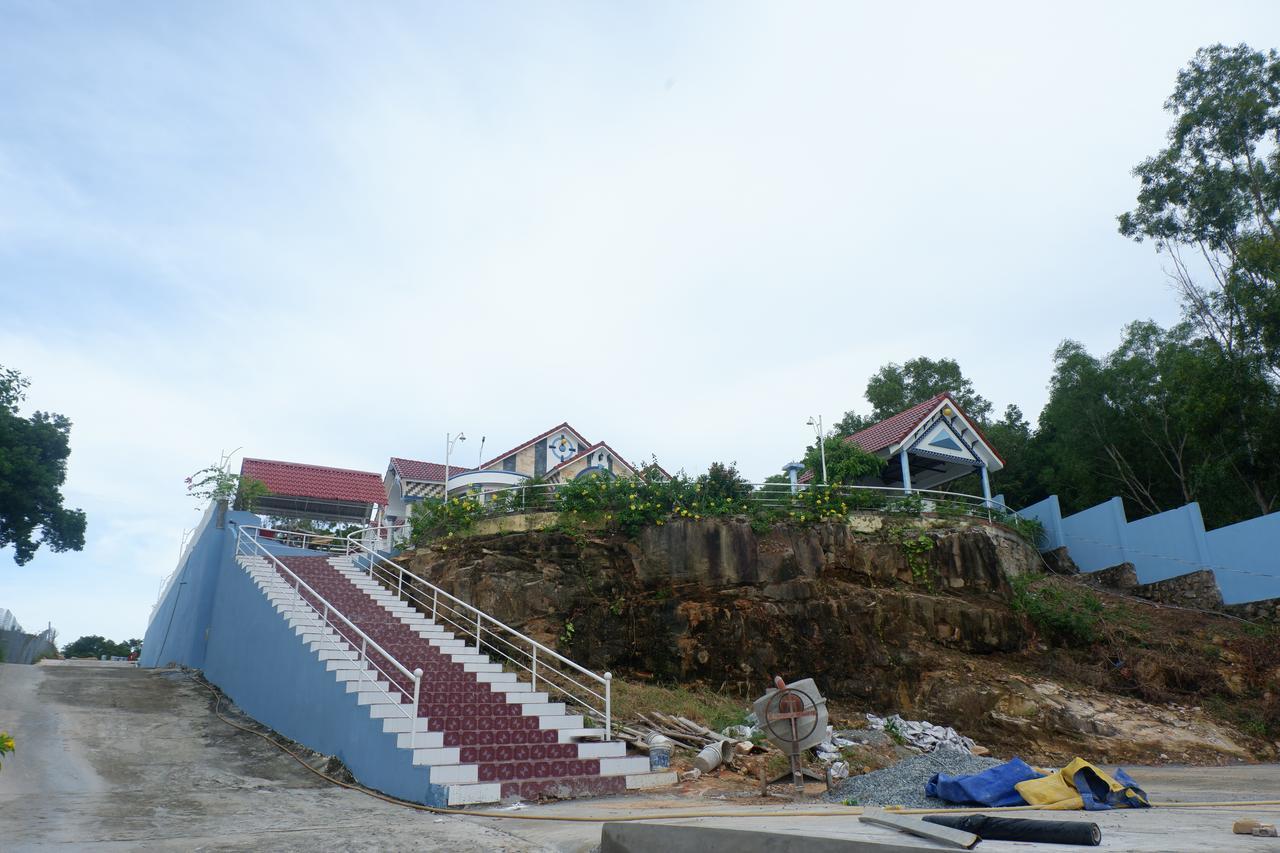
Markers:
point(941, 441)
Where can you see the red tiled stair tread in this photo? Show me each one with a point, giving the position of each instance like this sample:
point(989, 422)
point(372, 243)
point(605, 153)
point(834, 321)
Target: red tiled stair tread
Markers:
point(506, 745)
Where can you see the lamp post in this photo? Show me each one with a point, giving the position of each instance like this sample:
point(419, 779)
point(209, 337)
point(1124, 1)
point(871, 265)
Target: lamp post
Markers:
point(822, 444)
point(449, 442)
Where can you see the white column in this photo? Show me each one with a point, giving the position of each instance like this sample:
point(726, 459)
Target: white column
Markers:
point(906, 471)
point(986, 486)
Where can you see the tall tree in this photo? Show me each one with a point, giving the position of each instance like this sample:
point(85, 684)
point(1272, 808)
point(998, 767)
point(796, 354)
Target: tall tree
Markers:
point(33, 467)
point(1211, 201)
point(895, 387)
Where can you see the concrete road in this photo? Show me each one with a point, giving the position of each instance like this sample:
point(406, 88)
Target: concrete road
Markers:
point(118, 758)
point(112, 757)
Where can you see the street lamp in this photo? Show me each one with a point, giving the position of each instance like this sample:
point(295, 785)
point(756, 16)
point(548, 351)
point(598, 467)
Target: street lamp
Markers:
point(449, 442)
point(822, 444)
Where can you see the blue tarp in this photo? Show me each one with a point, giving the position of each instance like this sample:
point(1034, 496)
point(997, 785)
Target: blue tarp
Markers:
point(991, 787)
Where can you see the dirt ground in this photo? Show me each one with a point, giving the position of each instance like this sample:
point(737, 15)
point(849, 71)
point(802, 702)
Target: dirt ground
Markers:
point(111, 757)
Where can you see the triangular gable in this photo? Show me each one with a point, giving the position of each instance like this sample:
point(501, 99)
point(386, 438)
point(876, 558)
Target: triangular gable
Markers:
point(941, 441)
point(554, 431)
point(944, 425)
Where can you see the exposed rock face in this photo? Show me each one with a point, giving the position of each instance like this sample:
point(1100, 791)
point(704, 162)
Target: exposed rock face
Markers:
point(711, 600)
point(886, 614)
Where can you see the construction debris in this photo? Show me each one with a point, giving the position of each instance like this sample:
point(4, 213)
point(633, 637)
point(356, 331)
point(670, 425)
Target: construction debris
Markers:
point(921, 735)
point(684, 733)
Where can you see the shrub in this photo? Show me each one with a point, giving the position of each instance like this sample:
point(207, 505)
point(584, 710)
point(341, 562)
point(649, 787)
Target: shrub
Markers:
point(432, 519)
point(1066, 614)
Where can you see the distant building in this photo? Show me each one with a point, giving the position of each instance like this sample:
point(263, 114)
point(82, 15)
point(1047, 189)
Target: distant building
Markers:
point(558, 455)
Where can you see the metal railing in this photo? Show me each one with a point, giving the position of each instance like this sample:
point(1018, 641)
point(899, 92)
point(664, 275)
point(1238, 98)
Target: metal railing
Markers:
point(346, 637)
point(504, 644)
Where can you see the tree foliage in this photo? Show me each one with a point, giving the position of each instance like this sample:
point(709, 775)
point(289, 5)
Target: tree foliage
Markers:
point(95, 646)
point(846, 462)
point(896, 387)
point(33, 467)
point(1210, 200)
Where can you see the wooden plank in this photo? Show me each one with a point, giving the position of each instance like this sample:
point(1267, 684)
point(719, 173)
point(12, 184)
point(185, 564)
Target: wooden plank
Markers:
point(915, 826)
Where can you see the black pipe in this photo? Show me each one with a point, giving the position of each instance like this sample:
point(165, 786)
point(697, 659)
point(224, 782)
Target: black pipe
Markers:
point(1017, 829)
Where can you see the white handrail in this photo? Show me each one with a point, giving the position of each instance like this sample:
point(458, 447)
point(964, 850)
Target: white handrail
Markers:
point(367, 643)
point(477, 622)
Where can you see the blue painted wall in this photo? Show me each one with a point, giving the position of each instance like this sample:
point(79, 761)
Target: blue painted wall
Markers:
point(1244, 557)
point(215, 618)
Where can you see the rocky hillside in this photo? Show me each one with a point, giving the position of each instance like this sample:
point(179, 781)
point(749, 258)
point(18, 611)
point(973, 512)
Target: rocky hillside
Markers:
point(939, 618)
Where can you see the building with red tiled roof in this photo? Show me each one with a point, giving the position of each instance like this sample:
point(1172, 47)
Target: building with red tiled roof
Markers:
point(926, 446)
point(555, 455)
point(318, 492)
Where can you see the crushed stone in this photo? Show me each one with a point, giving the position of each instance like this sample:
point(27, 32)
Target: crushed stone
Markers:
point(903, 783)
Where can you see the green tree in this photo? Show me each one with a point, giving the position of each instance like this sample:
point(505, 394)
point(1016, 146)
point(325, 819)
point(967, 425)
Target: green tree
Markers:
point(846, 462)
point(95, 646)
point(1213, 194)
point(33, 467)
point(895, 387)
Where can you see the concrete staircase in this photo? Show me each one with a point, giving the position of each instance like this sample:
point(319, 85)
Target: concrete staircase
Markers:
point(482, 733)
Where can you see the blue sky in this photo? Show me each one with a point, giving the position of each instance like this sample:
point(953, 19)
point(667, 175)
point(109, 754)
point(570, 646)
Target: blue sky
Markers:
point(329, 232)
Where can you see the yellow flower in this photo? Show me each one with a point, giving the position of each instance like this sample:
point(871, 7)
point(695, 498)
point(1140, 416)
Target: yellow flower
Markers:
point(6, 743)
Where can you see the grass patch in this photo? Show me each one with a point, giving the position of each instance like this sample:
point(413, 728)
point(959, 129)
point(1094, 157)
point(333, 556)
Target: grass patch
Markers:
point(711, 709)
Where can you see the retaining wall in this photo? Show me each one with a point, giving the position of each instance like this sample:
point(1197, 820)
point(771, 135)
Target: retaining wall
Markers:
point(214, 618)
point(1244, 558)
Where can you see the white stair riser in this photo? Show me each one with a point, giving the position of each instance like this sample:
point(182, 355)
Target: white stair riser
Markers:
point(623, 766)
point(438, 756)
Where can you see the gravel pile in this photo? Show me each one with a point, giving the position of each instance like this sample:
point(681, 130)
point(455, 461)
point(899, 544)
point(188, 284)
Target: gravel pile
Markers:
point(903, 783)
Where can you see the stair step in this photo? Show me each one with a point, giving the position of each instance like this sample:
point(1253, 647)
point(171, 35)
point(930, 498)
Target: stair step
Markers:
point(560, 721)
point(426, 739)
point(659, 779)
point(454, 774)
point(435, 756)
point(526, 697)
point(602, 749)
point(624, 766)
point(570, 735)
point(470, 795)
point(402, 724)
point(365, 685)
point(379, 697)
point(495, 677)
point(479, 668)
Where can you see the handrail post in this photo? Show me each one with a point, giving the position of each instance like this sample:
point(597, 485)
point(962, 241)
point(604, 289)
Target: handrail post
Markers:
point(608, 706)
point(477, 632)
point(413, 715)
point(435, 600)
point(535, 669)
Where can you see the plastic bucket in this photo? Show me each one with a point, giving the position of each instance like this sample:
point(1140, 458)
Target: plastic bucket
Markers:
point(709, 758)
point(660, 756)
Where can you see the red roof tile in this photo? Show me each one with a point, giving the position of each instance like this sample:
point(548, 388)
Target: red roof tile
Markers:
point(430, 472)
point(316, 481)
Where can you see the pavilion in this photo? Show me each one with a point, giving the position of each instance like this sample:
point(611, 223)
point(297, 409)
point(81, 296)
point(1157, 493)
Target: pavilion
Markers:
point(927, 446)
point(316, 492)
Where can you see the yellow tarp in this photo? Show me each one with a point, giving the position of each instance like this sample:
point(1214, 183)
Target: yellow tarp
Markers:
point(1068, 789)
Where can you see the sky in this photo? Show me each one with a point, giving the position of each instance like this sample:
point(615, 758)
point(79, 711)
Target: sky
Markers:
point(331, 232)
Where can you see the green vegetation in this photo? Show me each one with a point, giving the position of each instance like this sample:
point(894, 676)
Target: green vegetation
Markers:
point(216, 483)
point(1065, 614)
point(630, 505)
point(711, 709)
point(33, 467)
point(6, 744)
point(94, 646)
point(915, 547)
